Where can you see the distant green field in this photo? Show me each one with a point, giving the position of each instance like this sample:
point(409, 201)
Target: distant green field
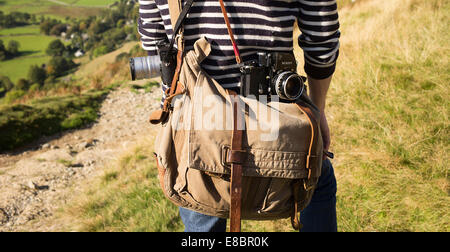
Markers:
point(93, 2)
point(32, 46)
point(29, 39)
point(32, 43)
point(29, 29)
point(17, 68)
point(55, 8)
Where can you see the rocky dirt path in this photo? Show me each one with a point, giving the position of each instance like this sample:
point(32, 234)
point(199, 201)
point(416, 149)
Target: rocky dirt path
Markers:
point(35, 182)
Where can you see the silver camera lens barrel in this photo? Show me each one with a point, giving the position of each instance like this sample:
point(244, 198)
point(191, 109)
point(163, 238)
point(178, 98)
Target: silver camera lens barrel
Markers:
point(145, 67)
point(289, 86)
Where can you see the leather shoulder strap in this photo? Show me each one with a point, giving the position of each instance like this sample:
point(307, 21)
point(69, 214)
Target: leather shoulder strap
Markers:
point(177, 16)
point(174, 10)
point(236, 157)
point(230, 32)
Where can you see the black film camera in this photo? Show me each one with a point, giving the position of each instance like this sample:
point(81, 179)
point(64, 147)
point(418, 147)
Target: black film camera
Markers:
point(273, 73)
point(150, 67)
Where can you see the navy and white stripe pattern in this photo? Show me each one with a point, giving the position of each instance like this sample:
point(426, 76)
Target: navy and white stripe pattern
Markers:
point(258, 25)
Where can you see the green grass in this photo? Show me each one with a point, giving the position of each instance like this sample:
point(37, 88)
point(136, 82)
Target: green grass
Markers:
point(21, 30)
point(18, 68)
point(53, 9)
point(21, 124)
point(147, 87)
point(93, 2)
point(31, 45)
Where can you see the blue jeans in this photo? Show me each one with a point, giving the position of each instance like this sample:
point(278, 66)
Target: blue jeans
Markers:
point(318, 216)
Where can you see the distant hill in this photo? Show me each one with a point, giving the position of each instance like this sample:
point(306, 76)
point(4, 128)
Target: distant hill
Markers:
point(56, 8)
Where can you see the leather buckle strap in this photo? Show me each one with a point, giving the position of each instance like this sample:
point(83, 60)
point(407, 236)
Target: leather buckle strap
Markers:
point(228, 156)
point(236, 157)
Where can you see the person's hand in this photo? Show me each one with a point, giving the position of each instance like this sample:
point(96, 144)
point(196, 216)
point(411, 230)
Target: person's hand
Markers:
point(325, 130)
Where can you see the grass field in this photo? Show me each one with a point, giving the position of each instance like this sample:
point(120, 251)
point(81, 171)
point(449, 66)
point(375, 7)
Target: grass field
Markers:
point(93, 3)
point(32, 48)
point(21, 30)
point(18, 68)
point(56, 8)
point(388, 110)
point(33, 44)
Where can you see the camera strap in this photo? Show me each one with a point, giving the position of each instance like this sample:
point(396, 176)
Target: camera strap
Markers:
point(237, 154)
point(230, 32)
point(175, 14)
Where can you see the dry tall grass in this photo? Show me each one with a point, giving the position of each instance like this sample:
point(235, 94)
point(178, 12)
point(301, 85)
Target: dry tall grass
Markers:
point(389, 108)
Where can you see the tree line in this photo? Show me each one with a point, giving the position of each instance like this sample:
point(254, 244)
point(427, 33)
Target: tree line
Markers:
point(99, 34)
point(16, 18)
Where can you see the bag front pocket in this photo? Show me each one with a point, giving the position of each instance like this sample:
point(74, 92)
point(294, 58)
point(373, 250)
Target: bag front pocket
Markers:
point(278, 198)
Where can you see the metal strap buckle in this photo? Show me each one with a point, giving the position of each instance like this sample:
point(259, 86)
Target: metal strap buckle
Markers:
point(306, 186)
point(226, 159)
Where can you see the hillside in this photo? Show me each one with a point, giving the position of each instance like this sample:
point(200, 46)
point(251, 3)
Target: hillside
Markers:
point(55, 168)
point(43, 62)
point(388, 110)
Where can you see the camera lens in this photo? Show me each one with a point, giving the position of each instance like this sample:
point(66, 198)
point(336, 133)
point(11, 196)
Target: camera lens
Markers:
point(144, 67)
point(293, 87)
point(289, 85)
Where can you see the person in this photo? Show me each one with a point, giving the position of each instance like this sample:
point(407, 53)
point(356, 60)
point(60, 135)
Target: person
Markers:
point(259, 25)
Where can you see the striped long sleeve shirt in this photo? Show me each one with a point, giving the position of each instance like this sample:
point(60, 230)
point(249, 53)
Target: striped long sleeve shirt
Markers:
point(258, 25)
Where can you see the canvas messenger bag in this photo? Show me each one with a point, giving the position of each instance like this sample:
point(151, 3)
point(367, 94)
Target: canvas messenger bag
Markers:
point(211, 157)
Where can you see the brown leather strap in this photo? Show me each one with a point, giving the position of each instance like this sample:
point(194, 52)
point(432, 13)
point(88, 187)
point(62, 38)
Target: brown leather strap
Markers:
point(175, 10)
point(161, 115)
point(230, 32)
point(309, 115)
point(175, 89)
point(236, 161)
point(295, 216)
point(174, 86)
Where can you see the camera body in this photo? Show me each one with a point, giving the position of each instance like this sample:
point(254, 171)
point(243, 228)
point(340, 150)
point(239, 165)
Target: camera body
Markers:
point(273, 73)
point(150, 67)
point(168, 62)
